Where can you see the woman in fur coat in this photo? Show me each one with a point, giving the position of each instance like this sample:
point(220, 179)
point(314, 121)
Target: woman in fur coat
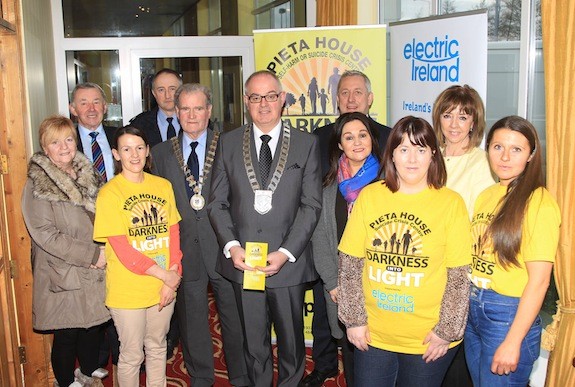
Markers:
point(69, 281)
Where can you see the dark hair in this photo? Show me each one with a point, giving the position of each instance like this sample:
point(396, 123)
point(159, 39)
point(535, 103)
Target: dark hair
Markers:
point(505, 230)
point(128, 129)
point(335, 140)
point(419, 133)
point(166, 71)
point(469, 101)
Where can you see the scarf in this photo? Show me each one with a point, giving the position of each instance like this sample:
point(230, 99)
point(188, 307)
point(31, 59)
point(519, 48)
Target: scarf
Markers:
point(349, 185)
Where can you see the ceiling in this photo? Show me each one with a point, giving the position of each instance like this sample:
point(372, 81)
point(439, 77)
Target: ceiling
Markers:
point(126, 18)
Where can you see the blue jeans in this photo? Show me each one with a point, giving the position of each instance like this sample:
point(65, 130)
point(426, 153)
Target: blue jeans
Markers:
point(490, 317)
point(381, 368)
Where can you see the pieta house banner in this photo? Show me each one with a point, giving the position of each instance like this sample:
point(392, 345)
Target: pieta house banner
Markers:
point(310, 61)
point(428, 55)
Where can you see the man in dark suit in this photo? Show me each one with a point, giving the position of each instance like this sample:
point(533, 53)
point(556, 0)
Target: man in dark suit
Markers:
point(353, 95)
point(266, 187)
point(89, 106)
point(161, 123)
point(199, 246)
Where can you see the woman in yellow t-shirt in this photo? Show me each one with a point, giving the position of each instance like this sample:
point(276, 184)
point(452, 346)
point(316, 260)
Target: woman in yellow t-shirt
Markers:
point(137, 219)
point(403, 286)
point(515, 231)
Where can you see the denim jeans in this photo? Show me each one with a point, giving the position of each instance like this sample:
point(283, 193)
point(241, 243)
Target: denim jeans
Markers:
point(381, 368)
point(490, 317)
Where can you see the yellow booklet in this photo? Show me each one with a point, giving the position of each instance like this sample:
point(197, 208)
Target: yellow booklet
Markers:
point(256, 255)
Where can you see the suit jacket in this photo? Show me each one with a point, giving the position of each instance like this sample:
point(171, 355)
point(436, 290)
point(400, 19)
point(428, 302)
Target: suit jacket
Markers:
point(295, 209)
point(325, 132)
point(148, 123)
point(198, 241)
point(108, 130)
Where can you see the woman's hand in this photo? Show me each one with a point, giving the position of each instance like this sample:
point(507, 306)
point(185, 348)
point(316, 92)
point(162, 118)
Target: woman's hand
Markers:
point(172, 279)
point(359, 336)
point(333, 295)
point(167, 295)
point(101, 262)
point(437, 347)
point(506, 358)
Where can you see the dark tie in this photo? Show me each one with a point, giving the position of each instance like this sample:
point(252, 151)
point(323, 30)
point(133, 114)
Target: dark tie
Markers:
point(171, 129)
point(97, 156)
point(265, 160)
point(193, 163)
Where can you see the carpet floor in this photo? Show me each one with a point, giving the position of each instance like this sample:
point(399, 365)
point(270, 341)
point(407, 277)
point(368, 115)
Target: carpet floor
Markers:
point(176, 370)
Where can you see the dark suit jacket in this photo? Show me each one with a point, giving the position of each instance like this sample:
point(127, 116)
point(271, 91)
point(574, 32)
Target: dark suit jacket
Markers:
point(198, 241)
point(325, 132)
point(148, 123)
point(296, 205)
point(108, 130)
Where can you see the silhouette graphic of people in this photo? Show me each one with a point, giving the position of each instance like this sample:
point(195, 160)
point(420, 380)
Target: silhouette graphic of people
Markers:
point(397, 244)
point(154, 212)
point(145, 223)
point(332, 88)
point(392, 242)
point(312, 91)
point(406, 240)
point(302, 103)
point(323, 100)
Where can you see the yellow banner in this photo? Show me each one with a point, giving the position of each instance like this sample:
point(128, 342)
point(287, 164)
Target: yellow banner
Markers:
point(310, 61)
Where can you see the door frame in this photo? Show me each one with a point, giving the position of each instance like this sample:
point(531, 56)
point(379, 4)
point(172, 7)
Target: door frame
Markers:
point(131, 50)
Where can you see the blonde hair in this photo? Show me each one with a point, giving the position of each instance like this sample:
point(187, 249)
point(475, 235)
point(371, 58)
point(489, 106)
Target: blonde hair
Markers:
point(54, 127)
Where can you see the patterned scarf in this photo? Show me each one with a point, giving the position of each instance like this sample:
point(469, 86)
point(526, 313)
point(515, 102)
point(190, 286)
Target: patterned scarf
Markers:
point(349, 185)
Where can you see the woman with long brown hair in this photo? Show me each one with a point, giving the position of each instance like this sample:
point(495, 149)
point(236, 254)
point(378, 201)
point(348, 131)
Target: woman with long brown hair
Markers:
point(515, 230)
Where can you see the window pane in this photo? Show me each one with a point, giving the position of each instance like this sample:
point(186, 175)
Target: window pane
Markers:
point(103, 69)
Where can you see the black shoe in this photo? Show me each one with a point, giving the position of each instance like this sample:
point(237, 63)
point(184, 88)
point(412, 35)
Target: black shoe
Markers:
point(316, 378)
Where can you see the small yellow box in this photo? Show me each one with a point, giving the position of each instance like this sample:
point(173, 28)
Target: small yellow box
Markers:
point(256, 255)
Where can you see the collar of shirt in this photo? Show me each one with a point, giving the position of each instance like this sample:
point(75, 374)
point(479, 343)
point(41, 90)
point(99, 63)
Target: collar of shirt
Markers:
point(162, 120)
point(275, 134)
point(200, 149)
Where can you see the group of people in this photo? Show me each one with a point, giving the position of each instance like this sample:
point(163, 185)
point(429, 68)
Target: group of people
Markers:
point(409, 243)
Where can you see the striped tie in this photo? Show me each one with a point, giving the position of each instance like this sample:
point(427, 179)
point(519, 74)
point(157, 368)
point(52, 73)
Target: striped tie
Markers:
point(97, 156)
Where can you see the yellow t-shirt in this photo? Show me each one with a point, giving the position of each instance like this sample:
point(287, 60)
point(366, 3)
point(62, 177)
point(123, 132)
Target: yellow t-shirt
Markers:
point(540, 237)
point(144, 213)
point(408, 241)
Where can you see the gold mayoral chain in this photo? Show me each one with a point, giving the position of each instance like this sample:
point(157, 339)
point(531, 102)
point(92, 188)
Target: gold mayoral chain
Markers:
point(197, 201)
point(263, 197)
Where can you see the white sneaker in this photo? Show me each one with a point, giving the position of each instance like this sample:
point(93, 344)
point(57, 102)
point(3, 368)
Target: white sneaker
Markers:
point(82, 379)
point(100, 373)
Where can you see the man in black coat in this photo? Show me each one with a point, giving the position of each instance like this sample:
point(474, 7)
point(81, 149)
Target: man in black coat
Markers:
point(353, 95)
point(161, 123)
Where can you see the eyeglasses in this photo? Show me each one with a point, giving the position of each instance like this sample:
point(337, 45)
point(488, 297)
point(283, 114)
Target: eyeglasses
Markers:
point(256, 98)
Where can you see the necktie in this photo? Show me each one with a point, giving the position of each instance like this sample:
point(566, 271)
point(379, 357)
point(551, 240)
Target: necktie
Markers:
point(265, 159)
point(171, 129)
point(97, 156)
point(193, 163)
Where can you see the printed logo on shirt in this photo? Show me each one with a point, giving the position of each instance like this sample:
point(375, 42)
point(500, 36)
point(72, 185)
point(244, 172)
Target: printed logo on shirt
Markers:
point(148, 229)
point(396, 249)
point(481, 269)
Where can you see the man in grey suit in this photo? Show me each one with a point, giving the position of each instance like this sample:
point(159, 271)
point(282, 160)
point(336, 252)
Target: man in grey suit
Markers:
point(186, 162)
point(266, 187)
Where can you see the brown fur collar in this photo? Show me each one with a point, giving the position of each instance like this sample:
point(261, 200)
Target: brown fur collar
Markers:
point(54, 185)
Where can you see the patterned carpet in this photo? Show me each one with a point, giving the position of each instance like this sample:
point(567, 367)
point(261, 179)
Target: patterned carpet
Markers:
point(176, 371)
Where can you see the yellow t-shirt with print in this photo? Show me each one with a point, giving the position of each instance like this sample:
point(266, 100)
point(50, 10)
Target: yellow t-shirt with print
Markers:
point(408, 241)
point(540, 236)
point(143, 212)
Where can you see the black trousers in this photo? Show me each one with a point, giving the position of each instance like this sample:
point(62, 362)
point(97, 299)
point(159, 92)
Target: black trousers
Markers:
point(76, 343)
point(324, 351)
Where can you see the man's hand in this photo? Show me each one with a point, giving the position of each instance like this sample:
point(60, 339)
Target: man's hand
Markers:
point(238, 256)
point(276, 260)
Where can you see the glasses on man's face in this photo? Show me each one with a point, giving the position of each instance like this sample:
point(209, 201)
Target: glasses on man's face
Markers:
point(256, 98)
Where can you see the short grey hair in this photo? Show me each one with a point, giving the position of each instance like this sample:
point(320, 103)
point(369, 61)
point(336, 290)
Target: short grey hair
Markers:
point(87, 85)
point(355, 73)
point(188, 88)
